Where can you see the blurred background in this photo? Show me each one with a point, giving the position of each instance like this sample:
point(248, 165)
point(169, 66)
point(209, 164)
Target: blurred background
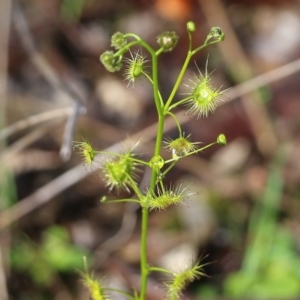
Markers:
point(244, 218)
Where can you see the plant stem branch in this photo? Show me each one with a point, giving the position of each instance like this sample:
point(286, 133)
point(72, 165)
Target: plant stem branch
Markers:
point(179, 79)
point(144, 263)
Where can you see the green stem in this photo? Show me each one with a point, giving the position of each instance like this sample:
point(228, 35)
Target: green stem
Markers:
point(159, 95)
point(135, 187)
point(144, 263)
point(176, 121)
point(121, 200)
point(179, 79)
point(154, 75)
point(180, 102)
point(206, 44)
point(159, 51)
point(161, 270)
point(170, 167)
point(139, 161)
point(145, 213)
point(191, 153)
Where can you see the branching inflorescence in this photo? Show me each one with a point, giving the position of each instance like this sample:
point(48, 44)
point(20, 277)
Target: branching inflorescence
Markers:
point(120, 171)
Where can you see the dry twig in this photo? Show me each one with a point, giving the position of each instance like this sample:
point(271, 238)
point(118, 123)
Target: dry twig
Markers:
point(51, 76)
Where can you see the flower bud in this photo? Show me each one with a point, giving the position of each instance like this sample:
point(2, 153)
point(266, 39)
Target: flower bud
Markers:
point(110, 62)
point(95, 287)
point(216, 33)
point(163, 198)
point(103, 199)
point(118, 40)
point(156, 162)
point(221, 139)
point(204, 97)
point(134, 67)
point(120, 172)
point(168, 40)
point(86, 151)
point(182, 279)
point(191, 27)
point(181, 146)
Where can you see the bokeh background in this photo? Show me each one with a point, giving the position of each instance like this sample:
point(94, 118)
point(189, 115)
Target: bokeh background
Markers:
point(244, 218)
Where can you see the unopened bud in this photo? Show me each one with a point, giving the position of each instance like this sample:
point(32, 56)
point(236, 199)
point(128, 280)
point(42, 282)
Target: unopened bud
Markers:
point(156, 162)
point(110, 62)
point(118, 40)
point(221, 139)
point(216, 33)
point(191, 27)
point(168, 41)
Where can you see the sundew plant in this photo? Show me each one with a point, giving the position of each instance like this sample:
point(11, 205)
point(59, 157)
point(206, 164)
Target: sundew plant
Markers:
point(121, 170)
